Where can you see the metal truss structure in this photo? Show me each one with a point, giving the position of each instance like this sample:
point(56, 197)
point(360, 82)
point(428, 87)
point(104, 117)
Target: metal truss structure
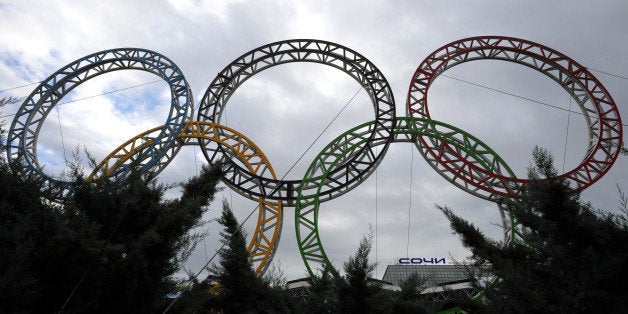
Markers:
point(459, 145)
point(24, 131)
point(356, 166)
point(234, 146)
point(348, 160)
point(597, 105)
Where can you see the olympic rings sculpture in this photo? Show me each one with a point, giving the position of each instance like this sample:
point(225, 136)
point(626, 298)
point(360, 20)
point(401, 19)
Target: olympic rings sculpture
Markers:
point(458, 156)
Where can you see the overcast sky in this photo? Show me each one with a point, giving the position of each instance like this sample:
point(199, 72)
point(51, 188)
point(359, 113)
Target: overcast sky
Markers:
point(285, 108)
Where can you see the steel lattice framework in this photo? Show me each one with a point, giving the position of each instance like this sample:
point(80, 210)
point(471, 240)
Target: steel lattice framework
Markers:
point(24, 132)
point(460, 146)
point(356, 166)
point(348, 160)
point(236, 147)
point(597, 105)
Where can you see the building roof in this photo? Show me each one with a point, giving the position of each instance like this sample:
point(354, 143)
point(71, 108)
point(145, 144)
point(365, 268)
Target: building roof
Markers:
point(434, 275)
point(301, 287)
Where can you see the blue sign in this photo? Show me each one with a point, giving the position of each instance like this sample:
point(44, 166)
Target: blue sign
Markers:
point(421, 260)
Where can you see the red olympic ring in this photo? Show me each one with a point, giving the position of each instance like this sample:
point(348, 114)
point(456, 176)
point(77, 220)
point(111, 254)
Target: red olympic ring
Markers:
point(598, 107)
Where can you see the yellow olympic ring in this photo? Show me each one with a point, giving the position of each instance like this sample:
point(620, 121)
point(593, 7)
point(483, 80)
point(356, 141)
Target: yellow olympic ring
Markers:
point(264, 241)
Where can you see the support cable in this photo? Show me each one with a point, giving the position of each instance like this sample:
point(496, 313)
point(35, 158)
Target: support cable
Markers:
point(567, 135)
point(230, 190)
point(322, 132)
point(611, 74)
point(16, 87)
point(195, 160)
point(410, 203)
point(65, 157)
point(376, 217)
point(93, 96)
point(515, 95)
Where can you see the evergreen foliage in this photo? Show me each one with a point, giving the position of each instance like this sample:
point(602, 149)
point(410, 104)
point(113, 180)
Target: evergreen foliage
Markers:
point(355, 292)
point(113, 249)
point(241, 290)
point(570, 258)
point(238, 284)
point(407, 300)
point(321, 297)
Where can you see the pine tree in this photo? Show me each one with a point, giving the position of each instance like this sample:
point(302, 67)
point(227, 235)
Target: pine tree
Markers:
point(238, 283)
point(241, 290)
point(356, 292)
point(570, 259)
